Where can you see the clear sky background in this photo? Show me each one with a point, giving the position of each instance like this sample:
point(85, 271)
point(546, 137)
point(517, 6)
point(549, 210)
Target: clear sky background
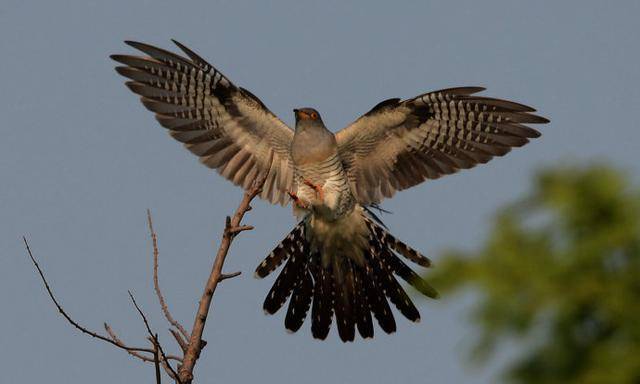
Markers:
point(81, 160)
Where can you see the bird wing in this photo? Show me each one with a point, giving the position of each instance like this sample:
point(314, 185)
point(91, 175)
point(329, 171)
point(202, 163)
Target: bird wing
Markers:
point(400, 143)
point(226, 126)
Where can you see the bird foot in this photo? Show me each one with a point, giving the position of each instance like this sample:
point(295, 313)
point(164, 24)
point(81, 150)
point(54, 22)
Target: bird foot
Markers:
point(297, 201)
point(317, 188)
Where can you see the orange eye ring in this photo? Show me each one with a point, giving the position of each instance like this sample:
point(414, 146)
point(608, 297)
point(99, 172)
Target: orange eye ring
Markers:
point(314, 116)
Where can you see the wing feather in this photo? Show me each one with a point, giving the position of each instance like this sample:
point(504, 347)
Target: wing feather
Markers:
point(228, 127)
point(399, 144)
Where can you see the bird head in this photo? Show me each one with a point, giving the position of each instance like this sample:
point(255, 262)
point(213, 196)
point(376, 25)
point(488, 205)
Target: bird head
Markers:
point(307, 117)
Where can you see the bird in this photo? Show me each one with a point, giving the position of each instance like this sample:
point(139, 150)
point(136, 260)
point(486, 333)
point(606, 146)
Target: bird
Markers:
point(340, 261)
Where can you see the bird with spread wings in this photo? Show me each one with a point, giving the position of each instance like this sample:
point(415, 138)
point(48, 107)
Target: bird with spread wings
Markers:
point(339, 260)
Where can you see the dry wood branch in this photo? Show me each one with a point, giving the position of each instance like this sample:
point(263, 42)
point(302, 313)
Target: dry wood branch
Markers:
point(225, 276)
point(179, 339)
point(240, 228)
point(232, 227)
point(156, 360)
point(156, 286)
point(116, 339)
point(155, 339)
point(138, 355)
point(192, 347)
point(68, 318)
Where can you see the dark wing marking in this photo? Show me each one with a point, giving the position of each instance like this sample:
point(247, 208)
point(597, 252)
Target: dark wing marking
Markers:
point(226, 126)
point(399, 144)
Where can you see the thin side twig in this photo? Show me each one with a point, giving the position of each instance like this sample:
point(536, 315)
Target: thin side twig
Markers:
point(156, 284)
point(155, 339)
point(179, 339)
point(156, 360)
point(68, 318)
point(138, 355)
point(232, 228)
point(225, 276)
point(240, 228)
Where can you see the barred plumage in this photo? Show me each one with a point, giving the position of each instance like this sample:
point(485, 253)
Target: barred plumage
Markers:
point(226, 126)
point(399, 144)
point(339, 262)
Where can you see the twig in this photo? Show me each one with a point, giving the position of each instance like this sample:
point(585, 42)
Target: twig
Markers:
point(193, 347)
point(232, 227)
point(240, 228)
point(156, 284)
point(179, 339)
point(116, 339)
point(155, 339)
point(68, 318)
point(146, 359)
point(156, 360)
point(225, 276)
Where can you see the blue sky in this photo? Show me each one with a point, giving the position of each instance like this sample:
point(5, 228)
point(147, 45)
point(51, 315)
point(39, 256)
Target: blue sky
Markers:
point(81, 161)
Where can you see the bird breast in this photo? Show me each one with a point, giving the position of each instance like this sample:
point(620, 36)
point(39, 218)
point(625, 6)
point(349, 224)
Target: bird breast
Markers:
point(313, 146)
point(337, 199)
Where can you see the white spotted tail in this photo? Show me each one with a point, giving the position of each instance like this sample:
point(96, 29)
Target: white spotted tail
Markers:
point(349, 290)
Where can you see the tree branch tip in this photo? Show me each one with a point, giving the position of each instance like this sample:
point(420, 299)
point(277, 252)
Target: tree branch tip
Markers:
point(225, 276)
point(240, 228)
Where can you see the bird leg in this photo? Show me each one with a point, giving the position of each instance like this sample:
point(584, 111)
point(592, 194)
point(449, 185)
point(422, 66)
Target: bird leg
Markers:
point(317, 188)
point(297, 201)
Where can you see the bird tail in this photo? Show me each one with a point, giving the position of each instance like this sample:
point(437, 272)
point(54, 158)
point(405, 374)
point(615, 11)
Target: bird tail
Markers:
point(352, 289)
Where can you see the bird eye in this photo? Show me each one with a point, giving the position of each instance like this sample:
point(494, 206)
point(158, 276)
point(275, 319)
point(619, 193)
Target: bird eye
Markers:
point(314, 115)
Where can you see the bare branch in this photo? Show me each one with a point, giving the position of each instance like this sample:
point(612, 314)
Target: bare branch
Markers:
point(156, 360)
point(192, 347)
point(155, 339)
point(240, 228)
point(120, 343)
point(138, 355)
point(195, 341)
point(68, 318)
point(156, 284)
point(225, 276)
point(169, 371)
point(179, 339)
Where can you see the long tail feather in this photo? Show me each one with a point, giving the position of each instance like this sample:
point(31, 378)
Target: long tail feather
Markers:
point(300, 303)
point(284, 284)
point(292, 243)
point(353, 290)
point(322, 311)
point(363, 312)
point(344, 300)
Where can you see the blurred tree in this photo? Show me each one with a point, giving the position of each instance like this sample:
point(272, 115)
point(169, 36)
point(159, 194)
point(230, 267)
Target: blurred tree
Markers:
point(560, 274)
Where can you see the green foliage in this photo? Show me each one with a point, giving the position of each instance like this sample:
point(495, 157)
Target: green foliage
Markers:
point(560, 274)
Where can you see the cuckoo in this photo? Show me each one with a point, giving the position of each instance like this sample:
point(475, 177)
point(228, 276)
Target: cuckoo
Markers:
point(340, 261)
